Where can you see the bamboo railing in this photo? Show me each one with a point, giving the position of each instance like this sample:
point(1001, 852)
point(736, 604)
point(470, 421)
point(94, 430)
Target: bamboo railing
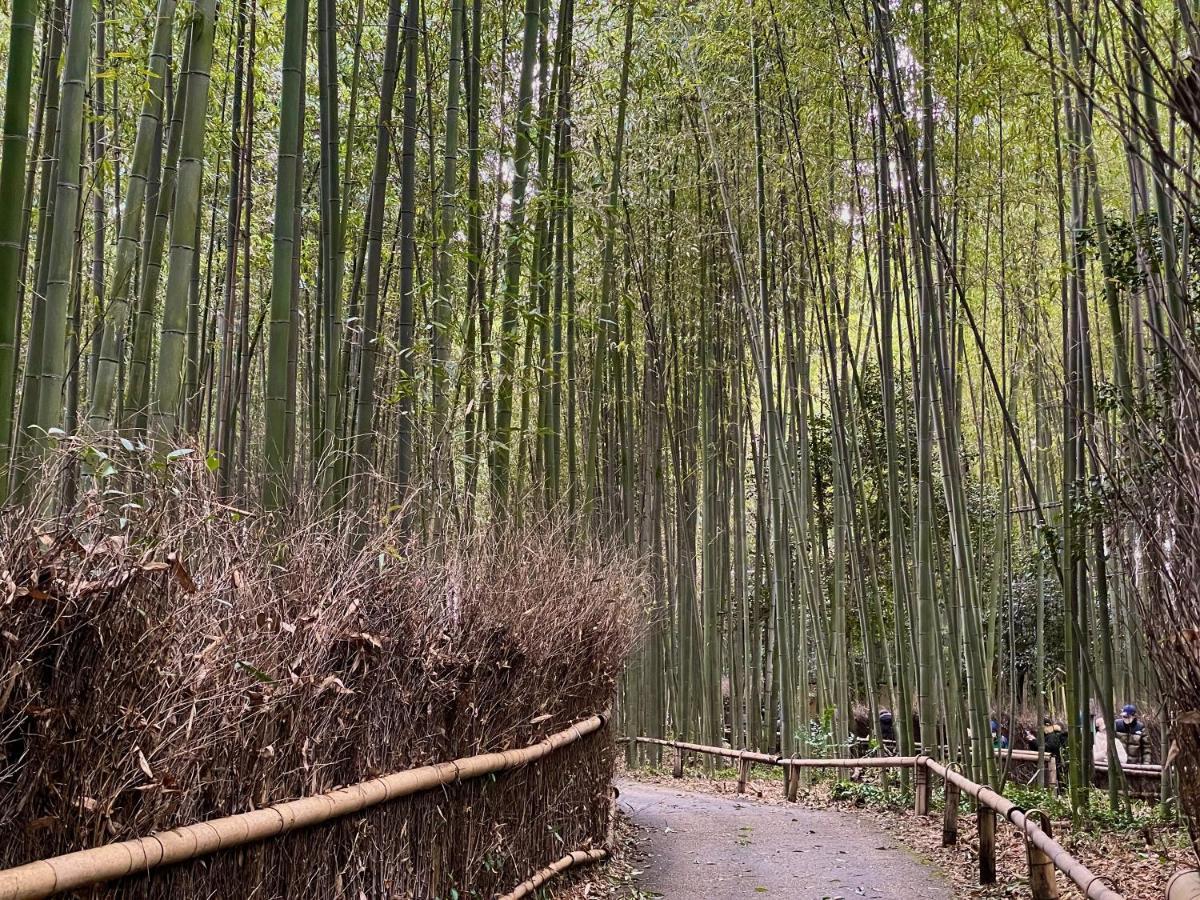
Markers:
point(1043, 853)
point(1184, 886)
point(556, 868)
point(82, 868)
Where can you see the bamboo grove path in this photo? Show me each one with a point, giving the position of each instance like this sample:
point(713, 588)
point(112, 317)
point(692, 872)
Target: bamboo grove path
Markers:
point(693, 845)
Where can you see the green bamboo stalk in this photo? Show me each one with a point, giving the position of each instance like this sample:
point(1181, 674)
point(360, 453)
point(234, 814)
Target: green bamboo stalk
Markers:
point(327, 448)
point(46, 203)
point(605, 325)
point(17, 88)
point(185, 218)
point(137, 387)
point(276, 404)
point(441, 336)
point(365, 408)
point(232, 325)
point(475, 283)
point(121, 284)
point(501, 438)
point(405, 324)
point(50, 369)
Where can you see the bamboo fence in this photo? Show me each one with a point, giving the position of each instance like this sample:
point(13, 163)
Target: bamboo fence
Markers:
point(82, 868)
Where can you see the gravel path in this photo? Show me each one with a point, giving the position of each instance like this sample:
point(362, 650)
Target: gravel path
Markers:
point(719, 848)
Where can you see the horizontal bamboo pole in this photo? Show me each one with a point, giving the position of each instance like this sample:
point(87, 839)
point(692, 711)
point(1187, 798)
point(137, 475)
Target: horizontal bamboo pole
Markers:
point(1142, 770)
point(1019, 755)
point(112, 861)
point(1184, 885)
point(556, 868)
point(1149, 770)
point(764, 758)
point(1088, 882)
point(866, 762)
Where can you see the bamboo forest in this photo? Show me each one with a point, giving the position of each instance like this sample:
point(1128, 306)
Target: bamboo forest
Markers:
point(806, 377)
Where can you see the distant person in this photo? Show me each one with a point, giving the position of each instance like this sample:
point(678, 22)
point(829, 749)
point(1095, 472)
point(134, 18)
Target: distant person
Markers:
point(887, 727)
point(1053, 740)
point(1132, 732)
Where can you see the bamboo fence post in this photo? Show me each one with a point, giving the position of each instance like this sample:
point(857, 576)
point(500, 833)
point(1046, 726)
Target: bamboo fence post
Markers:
point(921, 800)
point(791, 781)
point(677, 768)
point(1049, 773)
point(743, 774)
point(987, 844)
point(1042, 883)
point(950, 816)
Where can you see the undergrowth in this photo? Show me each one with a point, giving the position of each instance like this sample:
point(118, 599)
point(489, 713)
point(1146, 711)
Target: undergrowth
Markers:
point(871, 793)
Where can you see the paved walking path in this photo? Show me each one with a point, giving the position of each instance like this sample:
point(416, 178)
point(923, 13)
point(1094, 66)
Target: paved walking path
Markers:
point(710, 847)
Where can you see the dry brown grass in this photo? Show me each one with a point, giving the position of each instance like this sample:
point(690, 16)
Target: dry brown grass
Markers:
point(174, 660)
point(1161, 547)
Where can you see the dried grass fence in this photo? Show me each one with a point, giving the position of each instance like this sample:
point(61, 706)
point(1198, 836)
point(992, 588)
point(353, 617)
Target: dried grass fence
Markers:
point(1043, 853)
point(167, 660)
point(97, 865)
point(1158, 536)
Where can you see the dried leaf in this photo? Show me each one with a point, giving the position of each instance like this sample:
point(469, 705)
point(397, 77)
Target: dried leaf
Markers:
point(333, 683)
point(43, 823)
point(143, 763)
point(181, 574)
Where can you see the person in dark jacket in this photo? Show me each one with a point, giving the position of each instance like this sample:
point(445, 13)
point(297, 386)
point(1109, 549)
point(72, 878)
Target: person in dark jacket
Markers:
point(887, 727)
point(1054, 740)
point(1131, 731)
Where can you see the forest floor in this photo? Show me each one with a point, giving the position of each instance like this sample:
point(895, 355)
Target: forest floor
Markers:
point(697, 837)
